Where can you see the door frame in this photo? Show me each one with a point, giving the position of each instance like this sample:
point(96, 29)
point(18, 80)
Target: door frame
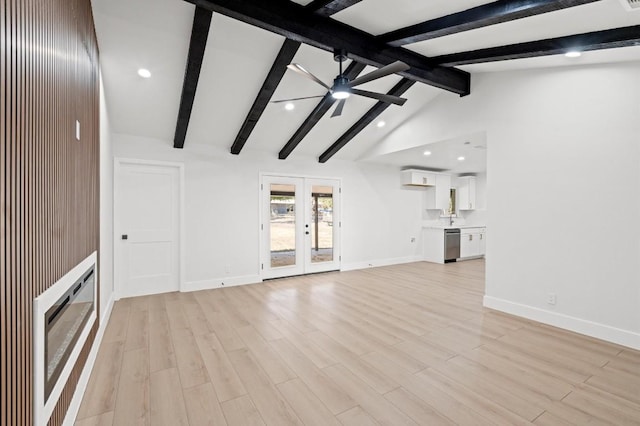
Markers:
point(263, 220)
point(118, 163)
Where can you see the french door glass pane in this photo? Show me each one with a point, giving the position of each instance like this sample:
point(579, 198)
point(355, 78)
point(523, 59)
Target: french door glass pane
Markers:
point(321, 224)
point(283, 225)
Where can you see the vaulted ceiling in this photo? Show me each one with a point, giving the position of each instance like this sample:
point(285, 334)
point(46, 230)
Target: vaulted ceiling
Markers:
point(214, 74)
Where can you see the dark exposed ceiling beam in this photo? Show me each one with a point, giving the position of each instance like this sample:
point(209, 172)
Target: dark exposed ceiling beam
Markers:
point(606, 39)
point(323, 8)
point(294, 21)
point(318, 112)
point(401, 87)
point(286, 54)
point(199, 35)
point(476, 17)
point(329, 7)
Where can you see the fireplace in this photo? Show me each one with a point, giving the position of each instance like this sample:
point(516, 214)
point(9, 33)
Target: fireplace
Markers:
point(63, 317)
point(63, 324)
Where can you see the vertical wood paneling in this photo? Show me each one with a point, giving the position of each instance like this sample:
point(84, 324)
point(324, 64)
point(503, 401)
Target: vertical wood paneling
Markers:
point(49, 182)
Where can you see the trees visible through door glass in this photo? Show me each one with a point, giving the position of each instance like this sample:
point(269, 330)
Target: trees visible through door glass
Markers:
point(321, 224)
point(283, 225)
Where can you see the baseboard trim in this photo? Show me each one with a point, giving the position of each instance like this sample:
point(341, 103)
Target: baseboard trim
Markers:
point(589, 328)
point(81, 387)
point(220, 283)
point(253, 279)
point(380, 262)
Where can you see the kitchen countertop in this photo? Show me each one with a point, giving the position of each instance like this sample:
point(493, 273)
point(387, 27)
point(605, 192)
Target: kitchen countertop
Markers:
point(454, 226)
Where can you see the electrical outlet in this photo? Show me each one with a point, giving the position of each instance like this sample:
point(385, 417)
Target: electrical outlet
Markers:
point(413, 239)
point(551, 298)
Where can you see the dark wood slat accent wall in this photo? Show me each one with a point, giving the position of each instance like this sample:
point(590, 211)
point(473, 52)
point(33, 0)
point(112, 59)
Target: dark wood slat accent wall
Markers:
point(59, 413)
point(49, 182)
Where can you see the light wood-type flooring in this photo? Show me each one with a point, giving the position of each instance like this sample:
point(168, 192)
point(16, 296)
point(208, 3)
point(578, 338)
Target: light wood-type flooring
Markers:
point(400, 345)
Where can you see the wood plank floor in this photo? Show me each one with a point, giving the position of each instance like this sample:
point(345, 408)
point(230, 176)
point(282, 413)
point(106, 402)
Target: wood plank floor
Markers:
point(400, 345)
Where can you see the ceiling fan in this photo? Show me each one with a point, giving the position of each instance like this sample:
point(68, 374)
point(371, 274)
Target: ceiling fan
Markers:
point(342, 88)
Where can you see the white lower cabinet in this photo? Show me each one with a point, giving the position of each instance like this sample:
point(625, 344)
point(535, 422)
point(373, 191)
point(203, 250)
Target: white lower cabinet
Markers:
point(472, 242)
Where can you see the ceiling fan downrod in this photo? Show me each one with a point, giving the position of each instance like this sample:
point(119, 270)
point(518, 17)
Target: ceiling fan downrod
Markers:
point(340, 55)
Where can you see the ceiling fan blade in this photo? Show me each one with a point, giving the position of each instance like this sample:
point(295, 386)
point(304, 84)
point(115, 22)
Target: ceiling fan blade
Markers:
point(393, 68)
point(338, 111)
point(297, 99)
point(390, 99)
point(300, 70)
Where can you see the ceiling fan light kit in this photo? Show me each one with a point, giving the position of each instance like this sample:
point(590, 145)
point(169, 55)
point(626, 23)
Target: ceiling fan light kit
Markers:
point(343, 88)
point(340, 94)
point(340, 89)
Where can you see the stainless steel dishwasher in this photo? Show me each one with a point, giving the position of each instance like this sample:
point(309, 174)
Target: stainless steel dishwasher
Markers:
point(451, 244)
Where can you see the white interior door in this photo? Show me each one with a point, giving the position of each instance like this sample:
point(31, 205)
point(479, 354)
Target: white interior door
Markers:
point(300, 225)
point(147, 229)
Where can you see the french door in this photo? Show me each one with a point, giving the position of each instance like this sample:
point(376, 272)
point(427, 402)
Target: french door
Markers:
point(300, 225)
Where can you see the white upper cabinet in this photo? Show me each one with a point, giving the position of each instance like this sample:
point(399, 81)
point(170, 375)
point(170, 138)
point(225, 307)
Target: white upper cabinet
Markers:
point(467, 193)
point(418, 178)
point(437, 198)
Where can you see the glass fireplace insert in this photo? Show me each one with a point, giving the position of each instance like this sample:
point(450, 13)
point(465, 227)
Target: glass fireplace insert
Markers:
point(64, 323)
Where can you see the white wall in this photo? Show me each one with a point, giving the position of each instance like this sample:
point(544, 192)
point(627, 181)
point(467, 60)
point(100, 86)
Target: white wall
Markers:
point(106, 208)
point(564, 189)
point(222, 208)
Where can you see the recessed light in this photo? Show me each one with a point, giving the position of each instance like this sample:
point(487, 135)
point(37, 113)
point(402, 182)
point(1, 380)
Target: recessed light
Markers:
point(144, 73)
point(289, 106)
point(426, 153)
point(381, 124)
point(460, 158)
point(573, 54)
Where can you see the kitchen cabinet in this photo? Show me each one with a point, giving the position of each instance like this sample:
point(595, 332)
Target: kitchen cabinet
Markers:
point(483, 242)
point(418, 178)
point(467, 193)
point(437, 197)
point(472, 242)
point(433, 245)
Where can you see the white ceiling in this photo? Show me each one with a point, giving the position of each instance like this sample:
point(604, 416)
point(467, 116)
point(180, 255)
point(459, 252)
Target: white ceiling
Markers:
point(381, 16)
point(155, 35)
